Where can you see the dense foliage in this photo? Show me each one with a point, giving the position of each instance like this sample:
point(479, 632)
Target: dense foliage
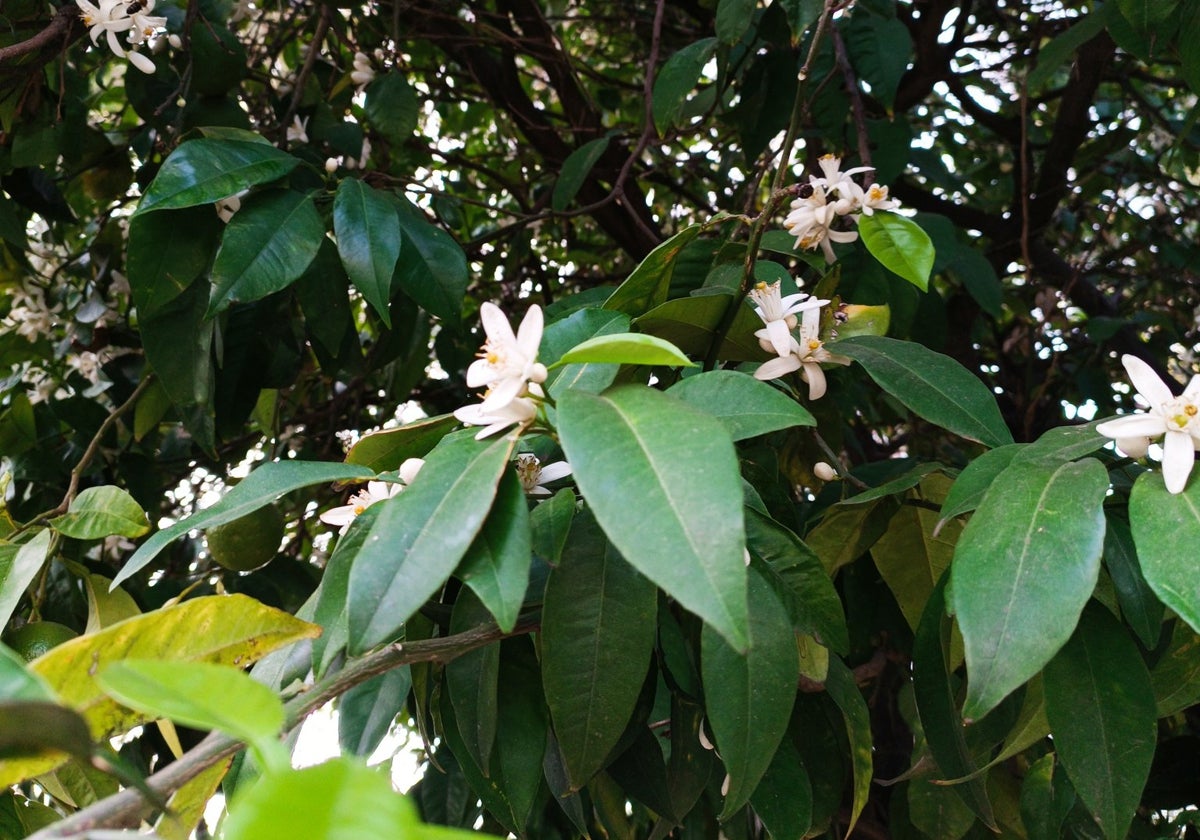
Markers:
point(813, 316)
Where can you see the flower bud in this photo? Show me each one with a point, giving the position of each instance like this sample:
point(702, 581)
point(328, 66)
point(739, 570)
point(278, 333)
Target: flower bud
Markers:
point(824, 472)
point(331, 165)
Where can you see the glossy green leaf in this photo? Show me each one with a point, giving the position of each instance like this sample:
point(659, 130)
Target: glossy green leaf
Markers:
point(31, 728)
point(845, 692)
point(392, 106)
point(367, 711)
point(1046, 799)
point(676, 79)
point(201, 695)
point(263, 486)
point(649, 283)
point(911, 559)
point(368, 238)
point(1165, 528)
point(1143, 612)
point(1065, 443)
point(1057, 53)
point(19, 565)
point(1024, 567)
point(332, 607)
point(420, 535)
point(472, 681)
point(387, 449)
point(1102, 715)
point(575, 170)
point(206, 170)
point(550, 524)
point(166, 252)
point(880, 49)
point(733, 19)
point(18, 682)
point(804, 587)
point(571, 331)
point(625, 349)
point(897, 485)
point(641, 771)
point(691, 324)
point(931, 385)
point(99, 512)
point(595, 649)
point(975, 479)
point(748, 696)
point(267, 245)
point(783, 799)
point(341, 799)
point(900, 244)
point(236, 629)
point(1175, 677)
point(934, 692)
point(432, 269)
point(746, 406)
point(685, 533)
point(496, 566)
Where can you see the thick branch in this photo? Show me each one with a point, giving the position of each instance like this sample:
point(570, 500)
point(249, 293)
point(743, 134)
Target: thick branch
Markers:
point(59, 29)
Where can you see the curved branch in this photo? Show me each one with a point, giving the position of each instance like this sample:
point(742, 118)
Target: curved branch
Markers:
point(59, 28)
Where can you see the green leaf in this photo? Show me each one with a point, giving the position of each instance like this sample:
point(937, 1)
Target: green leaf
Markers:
point(367, 711)
point(237, 631)
point(472, 681)
point(1024, 567)
point(804, 587)
point(685, 533)
point(420, 535)
point(733, 19)
point(392, 106)
point(332, 607)
point(267, 245)
point(19, 683)
point(931, 385)
point(897, 485)
point(1065, 443)
point(937, 811)
point(880, 48)
point(1059, 50)
point(432, 269)
point(747, 407)
point(934, 692)
point(1146, 15)
point(167, 251)
point(649, 283)
point(973, 482)
point(496, 566)
point(1046, 799)
point(571, 331)
point(676, 80)
point(19, 565)
point(691, 324)
point(1176, 675)
point(575, 170)
point(206, 170)
point(625, 349)
point(263, 486)
point(1165, 529)
point(550, 524)
point(368, 239)
point(900, 244)
point(748, 696)
point(844, 690)
point(1102, 715)
point(201, 695)
point(1142, 611)
point(846, 532)
point(596, 647)
point(341, 799)
point(783, 799)
point(30, 728)
point(99, 512)
point(389, 448)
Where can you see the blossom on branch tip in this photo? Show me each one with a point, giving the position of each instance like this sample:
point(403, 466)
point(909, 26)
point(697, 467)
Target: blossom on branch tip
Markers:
point(297, 132)
point(376, 491)
point(811, 219)
point(805, 355)
point(507, 363)
point(876, 198)
point(533, 475)
point(1176, 419)
point(779, 312)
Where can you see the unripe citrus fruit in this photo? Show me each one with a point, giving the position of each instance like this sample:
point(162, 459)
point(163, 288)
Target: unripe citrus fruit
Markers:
point(250, 542)
point(34, 639)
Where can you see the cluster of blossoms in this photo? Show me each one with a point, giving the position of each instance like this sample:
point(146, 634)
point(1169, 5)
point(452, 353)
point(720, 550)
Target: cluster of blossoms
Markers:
point(826, 198)
point(112, 17)
point(804, 352)
point(1175, 419)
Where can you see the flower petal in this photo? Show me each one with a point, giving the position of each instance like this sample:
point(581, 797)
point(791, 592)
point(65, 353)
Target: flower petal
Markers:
point(496, 325)
point(1133, 425)
point(503, 392)
point(1146, 381)
point(553, 472)
point(529, 334)
point(410, 468)
point(781, 340)
point(815, 377)
point(1178, 457)
point(777, 367)
point(339, 516)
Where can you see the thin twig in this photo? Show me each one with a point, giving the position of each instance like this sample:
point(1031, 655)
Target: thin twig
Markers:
point(856, 106)
point(310, 61)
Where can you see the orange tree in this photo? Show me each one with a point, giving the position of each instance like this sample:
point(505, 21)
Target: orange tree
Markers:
point(684, 417)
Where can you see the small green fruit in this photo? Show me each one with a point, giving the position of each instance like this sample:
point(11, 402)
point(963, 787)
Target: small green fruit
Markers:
point(246, 544)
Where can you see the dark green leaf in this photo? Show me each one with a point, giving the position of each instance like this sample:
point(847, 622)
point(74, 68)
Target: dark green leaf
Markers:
point(746, 406)
point(676, 80)
point(1025, 565)
point(571, 331)
point(471, 684)
point(267, 245)
point(30, 727)
point(432, 269)
point(649, 283)
point(748, 696)
point(1102, 716)
point(783, 799)
point(595, 649)
point(167, 251)
point(1142, 611)
point(421, 535)
point(685, 533)
point(931, 385)
point(550, 523)
point(392, 106)
point(19, 683)
point(332, 611)
point(733, 19)
point(1046, 798)
point(897, 485)
point(368, 238)
point(496, 566)
point(367, 711)
point(975, 479)
point(1176, 676)
point(389, 448)
point(1059, 50)
point(691, 324)
point(879, 48)
point(575, 170)
point(206, 170)
point(845, 692)
point(1166, 527)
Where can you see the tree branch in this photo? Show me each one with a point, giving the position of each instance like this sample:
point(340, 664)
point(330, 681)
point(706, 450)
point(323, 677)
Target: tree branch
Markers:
point(59, 29)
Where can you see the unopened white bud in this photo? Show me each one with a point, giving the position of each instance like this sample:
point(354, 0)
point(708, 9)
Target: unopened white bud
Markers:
point(824, 472)
point(331, 165)
point(175, 41)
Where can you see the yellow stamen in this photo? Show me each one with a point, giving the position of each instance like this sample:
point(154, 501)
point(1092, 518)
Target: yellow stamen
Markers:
point(1189, 410)
point(359, 509)
point(813, 344)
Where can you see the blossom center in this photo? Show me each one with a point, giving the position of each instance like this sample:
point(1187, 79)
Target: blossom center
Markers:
point(1182, 413)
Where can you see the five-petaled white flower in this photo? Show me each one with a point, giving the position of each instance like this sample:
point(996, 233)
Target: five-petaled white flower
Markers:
point(834, 178)
point(297, 132)
point(145, 25)
point(811, 219)
point(805, 355)
point(533, 475)
point(1176, 418)
point(507, 364)
point(376, 491)
point(779, 312)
